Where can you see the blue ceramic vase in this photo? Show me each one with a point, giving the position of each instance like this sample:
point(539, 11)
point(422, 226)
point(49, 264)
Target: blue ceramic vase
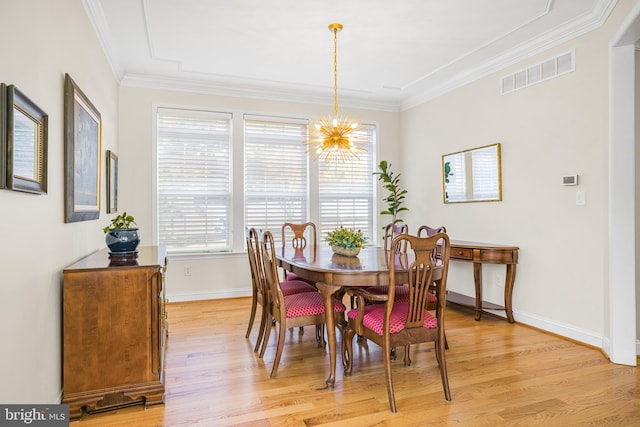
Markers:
point(122, 241)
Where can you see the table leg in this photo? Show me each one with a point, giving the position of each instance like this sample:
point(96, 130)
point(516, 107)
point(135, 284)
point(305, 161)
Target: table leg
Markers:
point(508, 291)
point(327, 292)
point(477, 279)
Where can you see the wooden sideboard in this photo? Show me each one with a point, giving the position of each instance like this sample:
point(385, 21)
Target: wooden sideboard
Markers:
point(485, 253)
point(114, 331)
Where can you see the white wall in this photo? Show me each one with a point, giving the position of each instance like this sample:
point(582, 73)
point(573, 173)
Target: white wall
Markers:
point(637, 207)
point(555, 128)
point(224, 275)
point(42, 41)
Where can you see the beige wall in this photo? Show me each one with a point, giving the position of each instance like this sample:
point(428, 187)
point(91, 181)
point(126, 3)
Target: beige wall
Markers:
point(223, 275)
point(637, 183)
point(556, 128)
point(41, 42)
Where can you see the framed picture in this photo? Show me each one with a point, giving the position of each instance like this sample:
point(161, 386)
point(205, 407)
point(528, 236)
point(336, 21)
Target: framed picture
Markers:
point(83, 146)
point(112, 182)
point(23, 142)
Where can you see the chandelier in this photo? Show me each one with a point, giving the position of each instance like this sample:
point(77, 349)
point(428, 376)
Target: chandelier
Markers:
point(334, 139)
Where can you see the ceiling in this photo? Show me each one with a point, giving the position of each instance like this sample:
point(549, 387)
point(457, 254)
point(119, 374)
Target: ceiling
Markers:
point(391, 55)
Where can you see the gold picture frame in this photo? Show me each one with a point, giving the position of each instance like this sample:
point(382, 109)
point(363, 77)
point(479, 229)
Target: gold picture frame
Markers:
point(23, 142)
point(83, 147)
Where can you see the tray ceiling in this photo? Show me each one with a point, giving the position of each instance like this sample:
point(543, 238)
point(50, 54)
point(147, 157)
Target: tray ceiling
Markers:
point(391, 55)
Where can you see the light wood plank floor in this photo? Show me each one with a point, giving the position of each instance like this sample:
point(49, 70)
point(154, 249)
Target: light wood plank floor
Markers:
point(500, 374)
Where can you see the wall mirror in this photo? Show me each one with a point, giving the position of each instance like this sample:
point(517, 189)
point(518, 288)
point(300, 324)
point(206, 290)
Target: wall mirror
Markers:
point(24, 142)
point(472, 175)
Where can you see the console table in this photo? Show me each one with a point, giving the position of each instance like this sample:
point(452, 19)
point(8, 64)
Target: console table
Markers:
point(485, 253)
point(114, 331)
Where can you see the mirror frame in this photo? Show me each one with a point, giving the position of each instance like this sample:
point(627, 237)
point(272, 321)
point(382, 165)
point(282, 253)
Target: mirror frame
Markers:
point(498, 172)
point(112, 182)
point(14, 101)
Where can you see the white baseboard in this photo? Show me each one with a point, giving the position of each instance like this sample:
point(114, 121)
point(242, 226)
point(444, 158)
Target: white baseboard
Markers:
point(569, 331)
point(200, 296)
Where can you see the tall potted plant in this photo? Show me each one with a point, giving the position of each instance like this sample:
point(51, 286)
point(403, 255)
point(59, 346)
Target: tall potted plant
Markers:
point(121, 237)
point(395, 198)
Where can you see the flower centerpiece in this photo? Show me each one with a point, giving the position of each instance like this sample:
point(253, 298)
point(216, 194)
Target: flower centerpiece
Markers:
point(346, 241)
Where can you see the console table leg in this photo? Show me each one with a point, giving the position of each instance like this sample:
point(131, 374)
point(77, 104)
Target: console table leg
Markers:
point(477, 279)
point(508, 291)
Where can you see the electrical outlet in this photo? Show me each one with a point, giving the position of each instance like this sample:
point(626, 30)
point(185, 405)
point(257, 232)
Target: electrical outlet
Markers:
point(499, 280)
point(187, 270)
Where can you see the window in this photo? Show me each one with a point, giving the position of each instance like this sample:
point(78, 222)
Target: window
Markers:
point(274, 181)
point(346, 192)
point(275, 173)
point(194, 187)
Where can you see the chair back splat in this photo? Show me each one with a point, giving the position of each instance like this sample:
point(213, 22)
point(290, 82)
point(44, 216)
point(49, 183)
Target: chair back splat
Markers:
point(420, 263)
point(299, 236)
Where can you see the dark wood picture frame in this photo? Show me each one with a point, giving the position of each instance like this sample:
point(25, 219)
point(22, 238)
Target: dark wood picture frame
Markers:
point(112, 182)
point(23, 142)
point(83, 148)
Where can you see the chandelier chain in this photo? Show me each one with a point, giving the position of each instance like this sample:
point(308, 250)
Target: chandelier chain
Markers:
point(335, 72)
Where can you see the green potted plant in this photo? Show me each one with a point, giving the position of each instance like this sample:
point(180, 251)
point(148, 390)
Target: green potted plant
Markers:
point(346, 241)
point(395, 199)
point(121, 237)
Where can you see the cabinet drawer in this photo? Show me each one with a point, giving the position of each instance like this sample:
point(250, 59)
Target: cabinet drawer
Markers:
point(461, 253)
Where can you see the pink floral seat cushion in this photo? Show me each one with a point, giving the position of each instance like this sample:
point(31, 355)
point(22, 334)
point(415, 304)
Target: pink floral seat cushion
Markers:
point(402, 293)
point(374, 317)
point(290, 287)
point(308, 304)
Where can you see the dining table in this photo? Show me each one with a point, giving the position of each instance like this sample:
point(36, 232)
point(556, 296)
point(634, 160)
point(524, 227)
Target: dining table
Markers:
point(333, 274)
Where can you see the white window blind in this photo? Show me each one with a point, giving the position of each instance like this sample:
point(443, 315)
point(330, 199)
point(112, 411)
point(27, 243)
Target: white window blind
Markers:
point(485, 179)
point(275, 173)
point(456, 188)
point(194, 187)
point(346, 191)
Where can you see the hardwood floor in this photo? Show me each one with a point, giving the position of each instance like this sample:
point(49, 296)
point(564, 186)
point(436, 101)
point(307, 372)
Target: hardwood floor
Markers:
point(500, 374)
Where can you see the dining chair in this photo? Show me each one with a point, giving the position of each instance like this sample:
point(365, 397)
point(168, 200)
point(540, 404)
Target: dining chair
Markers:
point(399, 324)
point(298, 236)
point(289, 311)
point(260, 293)
point(391, 231)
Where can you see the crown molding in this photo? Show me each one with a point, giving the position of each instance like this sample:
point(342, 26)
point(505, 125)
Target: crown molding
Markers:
point(284, 93)
point(98, 21)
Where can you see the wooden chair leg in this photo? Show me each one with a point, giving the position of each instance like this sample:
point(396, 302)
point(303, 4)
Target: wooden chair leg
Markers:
point(386, 352)
point(347, 350)
point(276, 361)
point(440, 352)
point(267, 333)
point(320, 336)
point(262, 330)
point(252, 316)
point(407, 355)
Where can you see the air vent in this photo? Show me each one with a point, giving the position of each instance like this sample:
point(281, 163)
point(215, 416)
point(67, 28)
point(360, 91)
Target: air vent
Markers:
point(554, 67)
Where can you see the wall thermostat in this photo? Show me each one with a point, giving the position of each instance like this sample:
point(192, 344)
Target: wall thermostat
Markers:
point(570, 180)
